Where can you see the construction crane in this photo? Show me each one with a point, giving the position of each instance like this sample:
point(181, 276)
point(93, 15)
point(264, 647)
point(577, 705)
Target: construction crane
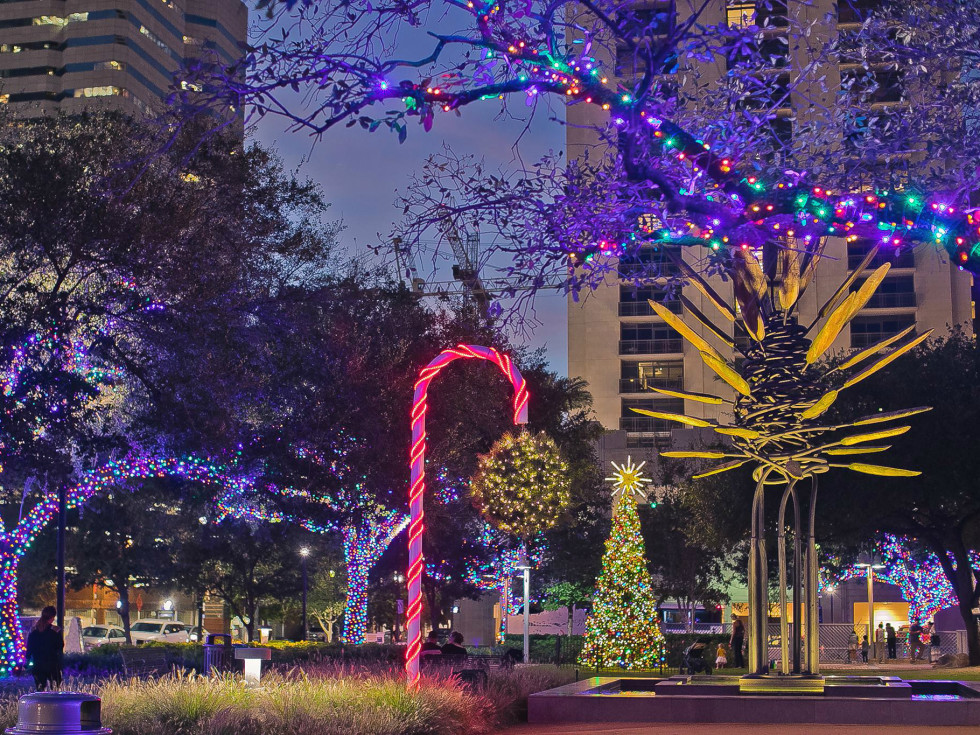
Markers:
point(467, 281)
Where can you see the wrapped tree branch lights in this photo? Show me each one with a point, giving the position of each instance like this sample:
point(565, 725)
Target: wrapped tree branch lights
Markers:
point(15, 542)
point(921, 578)
point(623, 628)
point(781, 393)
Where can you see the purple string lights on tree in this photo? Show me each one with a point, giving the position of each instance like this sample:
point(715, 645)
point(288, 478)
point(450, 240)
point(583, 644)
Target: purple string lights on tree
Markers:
point(719, 200)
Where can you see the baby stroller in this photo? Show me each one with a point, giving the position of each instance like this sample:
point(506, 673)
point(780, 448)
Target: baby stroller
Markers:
point(694, 662)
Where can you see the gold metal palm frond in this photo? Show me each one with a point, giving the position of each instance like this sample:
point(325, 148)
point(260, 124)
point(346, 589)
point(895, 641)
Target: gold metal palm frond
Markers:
point(779, 401)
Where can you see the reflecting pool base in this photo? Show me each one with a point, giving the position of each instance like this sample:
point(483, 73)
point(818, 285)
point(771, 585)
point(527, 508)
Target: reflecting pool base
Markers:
point(832, 700)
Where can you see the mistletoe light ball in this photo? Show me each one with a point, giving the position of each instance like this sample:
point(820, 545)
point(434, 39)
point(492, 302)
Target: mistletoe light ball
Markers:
point(521, 486)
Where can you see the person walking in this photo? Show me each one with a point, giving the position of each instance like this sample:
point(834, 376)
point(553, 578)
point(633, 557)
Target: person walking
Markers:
point(879, 648)
point(915, 642)
point(852, 647)
point(891, 638)
point(45, 650)
point(721, 657)
point(736, 641)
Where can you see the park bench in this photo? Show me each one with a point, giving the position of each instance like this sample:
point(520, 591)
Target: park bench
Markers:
point(140, 661)
point(471, 669)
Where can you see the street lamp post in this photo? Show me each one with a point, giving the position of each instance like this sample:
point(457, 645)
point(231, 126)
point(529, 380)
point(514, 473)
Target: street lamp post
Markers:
point(304, 552)
point(525, 566)
point(399, 579)
point(868, 560)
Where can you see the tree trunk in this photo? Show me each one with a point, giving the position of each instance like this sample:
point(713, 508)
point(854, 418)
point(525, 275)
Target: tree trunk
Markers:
point(123, 591)
point(13, 652)
point(967, 593)
point(355, 609)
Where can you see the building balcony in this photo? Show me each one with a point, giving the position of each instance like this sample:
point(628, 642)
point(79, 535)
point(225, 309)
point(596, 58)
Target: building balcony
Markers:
point(860, 340)
point(642, 308)
point(646, 424)
point(651, 346)
point(646, 385)
point(905, 300)
point(905, 259)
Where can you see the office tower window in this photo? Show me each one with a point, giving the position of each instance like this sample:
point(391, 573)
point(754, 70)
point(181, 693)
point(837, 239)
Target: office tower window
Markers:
point(635, 300)
point(867, 330)
point(897, 292)
point(638, 377)
point(648, 339)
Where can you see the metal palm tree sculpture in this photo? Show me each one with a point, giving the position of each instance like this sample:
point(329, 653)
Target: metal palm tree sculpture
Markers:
point(781, 393)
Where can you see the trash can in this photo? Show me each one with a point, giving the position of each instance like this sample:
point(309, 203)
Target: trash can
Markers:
point(59, 713)
point(218, 657)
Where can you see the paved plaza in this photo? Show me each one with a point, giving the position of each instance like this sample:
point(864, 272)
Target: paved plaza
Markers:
point(621, 728)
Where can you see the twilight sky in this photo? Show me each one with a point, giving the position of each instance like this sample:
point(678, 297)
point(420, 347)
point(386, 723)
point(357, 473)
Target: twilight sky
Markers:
point(360, 173)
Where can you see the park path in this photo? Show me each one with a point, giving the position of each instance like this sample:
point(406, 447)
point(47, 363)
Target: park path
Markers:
point(626, 728)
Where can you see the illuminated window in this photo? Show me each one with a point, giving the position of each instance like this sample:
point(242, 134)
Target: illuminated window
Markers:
point(741, 15)
point(153, 37)
point(191, 41)
point(185, 85)
point(116, 65)
point(4, 99)
point(57, 20)
point(106, 91)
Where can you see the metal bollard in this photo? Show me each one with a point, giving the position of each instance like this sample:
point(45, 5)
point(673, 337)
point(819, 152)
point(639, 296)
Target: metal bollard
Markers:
point(218, 657)
point(252, 659)
point(59, 713)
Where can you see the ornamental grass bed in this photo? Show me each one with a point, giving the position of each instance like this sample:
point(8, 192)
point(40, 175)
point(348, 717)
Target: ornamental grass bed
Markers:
point(320, 702)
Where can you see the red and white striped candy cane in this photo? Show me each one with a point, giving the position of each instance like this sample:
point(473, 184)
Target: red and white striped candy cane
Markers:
point(415, 528)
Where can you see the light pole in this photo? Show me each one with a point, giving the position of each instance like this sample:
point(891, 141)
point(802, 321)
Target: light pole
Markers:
point(525, 566)
point(399, 608)
point(830, 593)
point(304, 552)
point(868, 561)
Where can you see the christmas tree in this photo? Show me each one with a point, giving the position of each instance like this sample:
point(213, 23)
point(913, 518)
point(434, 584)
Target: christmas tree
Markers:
point(622, 629)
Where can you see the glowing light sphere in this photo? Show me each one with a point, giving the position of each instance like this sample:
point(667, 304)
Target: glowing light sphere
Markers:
point(521, 486)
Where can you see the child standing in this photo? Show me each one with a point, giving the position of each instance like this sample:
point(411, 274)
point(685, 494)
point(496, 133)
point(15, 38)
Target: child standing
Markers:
point(864, 649)
point(721, 657)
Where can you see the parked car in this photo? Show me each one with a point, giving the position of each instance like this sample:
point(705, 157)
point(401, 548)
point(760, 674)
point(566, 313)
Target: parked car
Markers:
point(96, 635)
point(171, 631)
point(196, 634)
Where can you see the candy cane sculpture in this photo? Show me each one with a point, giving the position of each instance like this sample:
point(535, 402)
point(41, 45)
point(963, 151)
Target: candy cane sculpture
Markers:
point(415, 528)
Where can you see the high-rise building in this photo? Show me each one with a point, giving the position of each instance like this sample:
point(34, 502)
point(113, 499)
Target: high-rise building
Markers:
point(618, 344)
point(65, 55)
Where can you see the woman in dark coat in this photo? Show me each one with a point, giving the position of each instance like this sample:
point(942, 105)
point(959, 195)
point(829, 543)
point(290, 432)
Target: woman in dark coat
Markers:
point(45, 650)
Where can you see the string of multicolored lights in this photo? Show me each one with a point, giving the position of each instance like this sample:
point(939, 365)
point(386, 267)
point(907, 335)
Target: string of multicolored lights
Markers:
point(366, 527)
point(923, 582)
point(753, 210)
point(15, 543)
point(364, 543)
point(498, 572)
point(417, 482)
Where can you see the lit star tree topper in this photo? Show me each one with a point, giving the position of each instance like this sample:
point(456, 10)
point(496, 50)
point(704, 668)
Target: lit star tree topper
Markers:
point(629, 480)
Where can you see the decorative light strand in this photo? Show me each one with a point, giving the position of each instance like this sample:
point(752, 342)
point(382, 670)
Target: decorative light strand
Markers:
point(793, 206)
